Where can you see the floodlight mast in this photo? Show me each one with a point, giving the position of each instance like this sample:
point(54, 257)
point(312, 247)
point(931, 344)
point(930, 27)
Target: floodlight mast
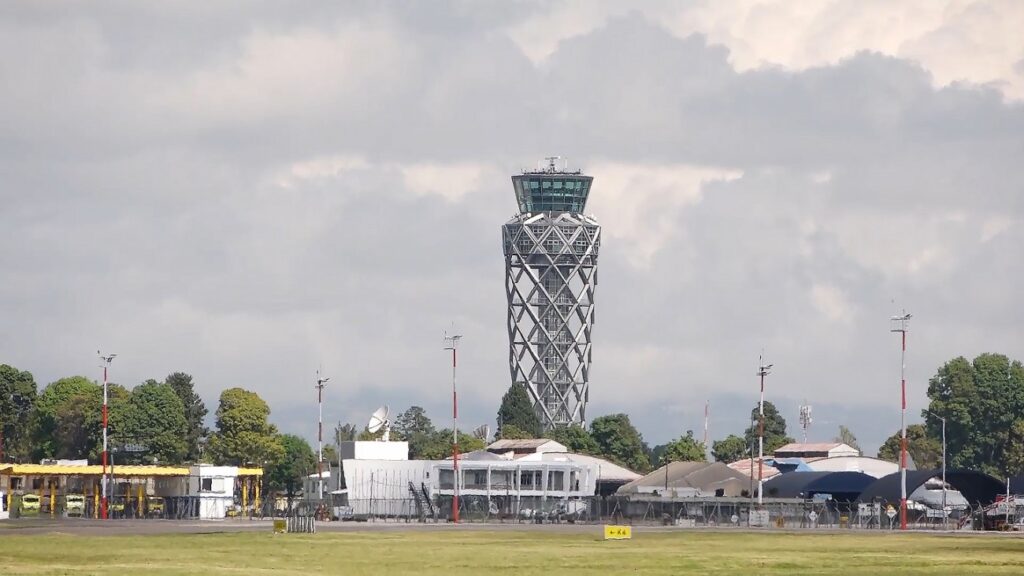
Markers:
point(320, 383)
point(762, 371)
point(900, 324)
point(106, 360)
point(452, 343)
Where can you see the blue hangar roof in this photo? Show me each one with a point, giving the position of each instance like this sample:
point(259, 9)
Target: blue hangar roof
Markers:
point(841, 485)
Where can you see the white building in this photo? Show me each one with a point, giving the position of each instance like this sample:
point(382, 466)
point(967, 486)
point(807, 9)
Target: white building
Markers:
point(509, 477)
point(215, 488)
point(4, 512)
point(815, 450)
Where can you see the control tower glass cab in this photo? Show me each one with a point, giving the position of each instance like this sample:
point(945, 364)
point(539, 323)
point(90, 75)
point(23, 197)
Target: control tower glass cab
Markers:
point(550, 274)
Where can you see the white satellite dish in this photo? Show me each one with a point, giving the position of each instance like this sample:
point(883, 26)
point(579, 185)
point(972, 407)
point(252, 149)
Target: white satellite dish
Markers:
point(378, 421)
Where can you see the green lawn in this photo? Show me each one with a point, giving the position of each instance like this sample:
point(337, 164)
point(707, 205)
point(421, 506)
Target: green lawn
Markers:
point(429, 552)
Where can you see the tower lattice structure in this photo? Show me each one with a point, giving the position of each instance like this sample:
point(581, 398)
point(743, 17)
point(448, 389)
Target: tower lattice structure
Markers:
point(551, 250)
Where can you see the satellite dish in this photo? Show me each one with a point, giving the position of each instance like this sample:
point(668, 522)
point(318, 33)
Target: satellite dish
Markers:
point(379, 421)
point(482, 432)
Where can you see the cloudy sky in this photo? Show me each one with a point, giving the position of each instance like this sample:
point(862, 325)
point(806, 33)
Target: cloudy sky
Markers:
point(246, 191)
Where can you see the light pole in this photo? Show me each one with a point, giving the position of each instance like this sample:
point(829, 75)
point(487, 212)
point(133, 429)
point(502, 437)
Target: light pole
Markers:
point(320, 383)
point(762, 371)
point(899, 324)
point(452, 343)
point(103, 497)
point(944, 511)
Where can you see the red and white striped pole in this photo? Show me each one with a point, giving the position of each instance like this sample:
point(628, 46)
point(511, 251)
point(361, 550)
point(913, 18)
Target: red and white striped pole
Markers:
point(452, 344)
point(105, 482)
point(900, 325)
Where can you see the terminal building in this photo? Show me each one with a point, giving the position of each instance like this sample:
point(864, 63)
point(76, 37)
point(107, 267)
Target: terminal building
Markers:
point(508, 479)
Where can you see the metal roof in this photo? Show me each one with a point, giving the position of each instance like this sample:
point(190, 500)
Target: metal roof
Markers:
point(97, 470)
point(703, 476)
point(606, 471)
point(530, 444)
point(976, 487)
point(842, 485)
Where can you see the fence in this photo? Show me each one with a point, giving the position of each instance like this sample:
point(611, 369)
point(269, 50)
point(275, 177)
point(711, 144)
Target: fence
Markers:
point(683, 512)
point(651, 511)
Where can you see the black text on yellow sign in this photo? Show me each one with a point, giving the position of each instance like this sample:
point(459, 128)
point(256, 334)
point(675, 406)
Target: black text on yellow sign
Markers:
point(612, 532)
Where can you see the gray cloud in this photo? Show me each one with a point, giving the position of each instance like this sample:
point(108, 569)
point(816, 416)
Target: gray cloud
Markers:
point(247, 192)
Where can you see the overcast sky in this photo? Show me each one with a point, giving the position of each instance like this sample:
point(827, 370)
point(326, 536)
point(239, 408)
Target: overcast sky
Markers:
point(246, 191)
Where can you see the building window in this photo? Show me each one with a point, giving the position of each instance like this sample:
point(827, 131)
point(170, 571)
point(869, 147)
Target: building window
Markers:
point(206, 484)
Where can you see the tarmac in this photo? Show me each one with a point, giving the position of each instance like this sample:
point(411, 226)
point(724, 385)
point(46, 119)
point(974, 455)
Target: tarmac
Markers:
point(135, 527)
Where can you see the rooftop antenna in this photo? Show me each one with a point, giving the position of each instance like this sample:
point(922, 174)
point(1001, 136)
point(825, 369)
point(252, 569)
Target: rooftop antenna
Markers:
point(482, 432)
point(379, 420)
point(805, 418)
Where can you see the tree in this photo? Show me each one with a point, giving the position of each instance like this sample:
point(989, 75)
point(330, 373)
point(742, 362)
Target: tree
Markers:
point(244, 436)
point(298, 461)
point(575, 438)
point(1015, 450)
point(154, 417)
point(440, 445)
point(729, 450)
point(683, 449)
point(618, 441)
point(925, 451)
point(774, 429)
point(67, 420)
point(517, 410)
point(412, 421)
point(513, 432)
point(981, 401)
point(415, 427)
point(345, 433)
point(194, 411)
point(846, 437)
point(17, 399)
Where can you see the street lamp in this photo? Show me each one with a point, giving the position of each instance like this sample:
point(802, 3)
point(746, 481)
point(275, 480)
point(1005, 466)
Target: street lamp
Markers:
point(452, 343)
point(103, 499)
point(899, 324)
point(320, 382)
point(944, 512)
point(762, 371)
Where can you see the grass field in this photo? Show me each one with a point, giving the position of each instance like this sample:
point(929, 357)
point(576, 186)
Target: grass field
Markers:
point(510, 552)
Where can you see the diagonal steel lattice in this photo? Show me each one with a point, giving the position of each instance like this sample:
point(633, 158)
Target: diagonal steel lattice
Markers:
point(550, 276)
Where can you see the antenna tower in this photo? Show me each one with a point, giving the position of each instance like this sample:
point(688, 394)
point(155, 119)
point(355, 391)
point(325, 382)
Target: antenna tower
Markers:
point(805, 418)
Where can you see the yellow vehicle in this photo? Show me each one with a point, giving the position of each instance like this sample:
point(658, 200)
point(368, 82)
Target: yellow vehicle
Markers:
point(155, 507)
point(74, 505)
point(30, 505)
point(115, 509)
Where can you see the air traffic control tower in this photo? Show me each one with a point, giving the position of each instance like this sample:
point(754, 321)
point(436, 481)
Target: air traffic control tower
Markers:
point(550, 275)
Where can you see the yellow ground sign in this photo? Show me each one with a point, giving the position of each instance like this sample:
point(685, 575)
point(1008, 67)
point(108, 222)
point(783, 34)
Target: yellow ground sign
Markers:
point(280, 526)
point(612, 532)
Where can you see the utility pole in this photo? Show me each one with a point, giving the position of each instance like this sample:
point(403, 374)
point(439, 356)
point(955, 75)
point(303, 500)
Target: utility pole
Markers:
point(762, 371)
point(452, 343)
point(900, 324)
point(320, 383)
point(707, 412)
point(104, 486)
